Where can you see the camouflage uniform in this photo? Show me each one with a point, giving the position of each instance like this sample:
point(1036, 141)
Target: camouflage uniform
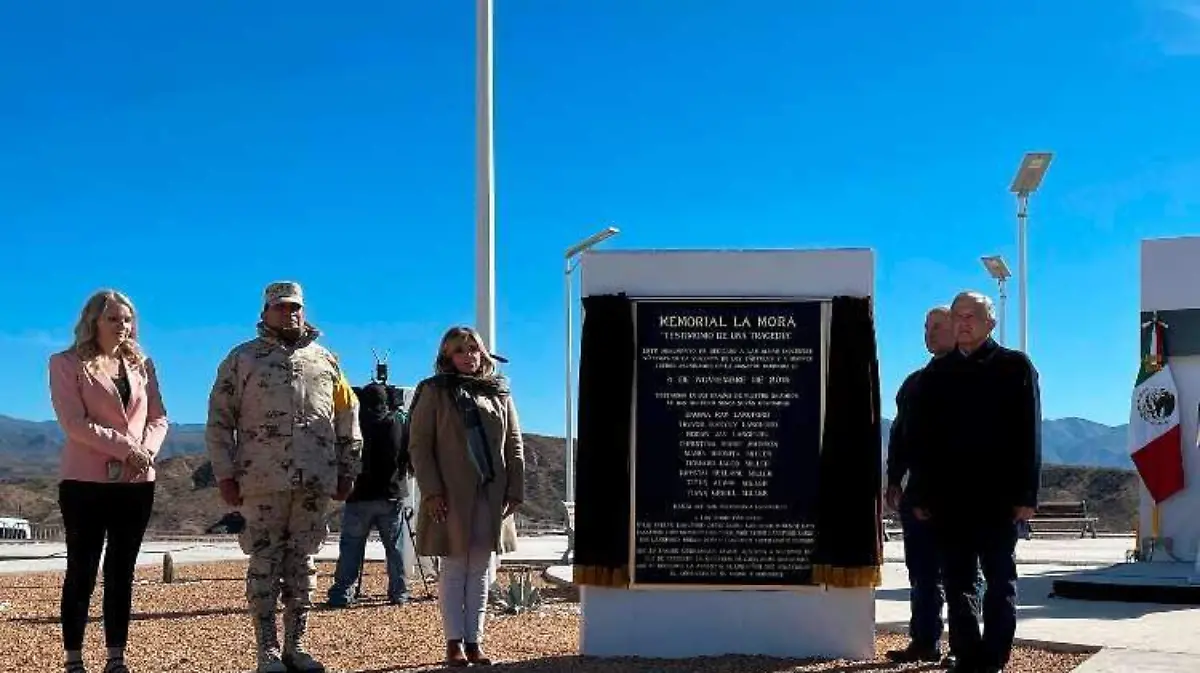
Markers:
point(283, 423)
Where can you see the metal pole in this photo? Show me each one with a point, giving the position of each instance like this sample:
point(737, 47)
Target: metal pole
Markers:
point(1022, 216)
point(1003, 312)
point(485, 229)
point(570, 385)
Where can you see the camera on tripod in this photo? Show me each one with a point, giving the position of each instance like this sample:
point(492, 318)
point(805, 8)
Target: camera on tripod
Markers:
point(395, 394)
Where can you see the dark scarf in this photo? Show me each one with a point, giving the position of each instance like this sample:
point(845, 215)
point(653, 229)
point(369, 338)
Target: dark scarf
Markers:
point(463, 390)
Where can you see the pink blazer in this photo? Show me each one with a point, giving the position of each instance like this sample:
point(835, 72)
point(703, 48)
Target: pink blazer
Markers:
point(99, 428)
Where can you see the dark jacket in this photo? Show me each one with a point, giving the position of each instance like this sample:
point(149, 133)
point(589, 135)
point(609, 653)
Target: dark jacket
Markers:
point(974, 434)
point(898, 461)
point(385, 463)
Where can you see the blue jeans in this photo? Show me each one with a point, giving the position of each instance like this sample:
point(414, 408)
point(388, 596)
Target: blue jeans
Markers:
point(357, 520)
point(926, 595)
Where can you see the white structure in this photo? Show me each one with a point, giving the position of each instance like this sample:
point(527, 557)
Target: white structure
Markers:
point(804, 622)
point(12, 528)
point(1170, 280)
point(485, 180)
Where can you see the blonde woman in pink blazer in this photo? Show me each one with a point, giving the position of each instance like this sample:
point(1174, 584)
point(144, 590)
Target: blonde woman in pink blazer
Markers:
point(106, 397)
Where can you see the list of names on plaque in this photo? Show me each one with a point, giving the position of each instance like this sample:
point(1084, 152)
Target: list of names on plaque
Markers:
point(727, 441)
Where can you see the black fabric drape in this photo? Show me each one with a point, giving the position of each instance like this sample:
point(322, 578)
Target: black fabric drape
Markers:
point(849, 548)
point(602, 483)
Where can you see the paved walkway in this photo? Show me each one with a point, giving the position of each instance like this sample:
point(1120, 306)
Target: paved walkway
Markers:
point(52, 556)
point(1134, 637)
point(1113, 660)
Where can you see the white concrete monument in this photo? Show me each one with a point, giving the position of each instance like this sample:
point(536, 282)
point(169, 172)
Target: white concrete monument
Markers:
point(683, 621)
point(1170, 284)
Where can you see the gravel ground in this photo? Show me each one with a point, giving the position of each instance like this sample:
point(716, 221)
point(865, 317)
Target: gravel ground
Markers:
point(199, 624)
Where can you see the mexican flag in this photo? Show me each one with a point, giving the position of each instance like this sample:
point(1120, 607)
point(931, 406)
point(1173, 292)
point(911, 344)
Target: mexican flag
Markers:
point(1155, 436)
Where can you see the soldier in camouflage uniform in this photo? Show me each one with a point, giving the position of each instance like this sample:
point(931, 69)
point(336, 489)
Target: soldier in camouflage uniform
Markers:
point(284, 440)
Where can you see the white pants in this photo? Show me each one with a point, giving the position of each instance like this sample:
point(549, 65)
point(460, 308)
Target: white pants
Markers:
point(463, 581)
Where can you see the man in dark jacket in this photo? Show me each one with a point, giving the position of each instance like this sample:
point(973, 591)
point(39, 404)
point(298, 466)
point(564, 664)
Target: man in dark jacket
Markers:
point(976, 474)
point(377, 498)
point(920, 549)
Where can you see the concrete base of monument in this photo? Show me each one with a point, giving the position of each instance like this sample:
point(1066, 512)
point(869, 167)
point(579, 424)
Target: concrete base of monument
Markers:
point(1149, 582)
point(810, 622)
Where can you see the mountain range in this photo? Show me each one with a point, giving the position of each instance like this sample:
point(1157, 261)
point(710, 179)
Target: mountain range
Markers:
point(1091, 457)
point(31, 448)
point(1076, 442)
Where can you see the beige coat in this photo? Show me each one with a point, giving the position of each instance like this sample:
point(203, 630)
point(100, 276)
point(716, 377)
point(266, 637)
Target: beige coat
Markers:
point(438, 446)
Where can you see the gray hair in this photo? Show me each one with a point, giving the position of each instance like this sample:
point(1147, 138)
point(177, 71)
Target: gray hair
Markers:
point(940, 308)
point(980, 299)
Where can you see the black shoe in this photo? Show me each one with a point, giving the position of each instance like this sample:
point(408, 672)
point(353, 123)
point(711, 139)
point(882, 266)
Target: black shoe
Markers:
point(959, 667)
point(913, 654)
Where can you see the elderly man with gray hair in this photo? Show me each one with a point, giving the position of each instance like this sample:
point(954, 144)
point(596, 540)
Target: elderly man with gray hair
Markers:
point(926, 597)
point(976, 476)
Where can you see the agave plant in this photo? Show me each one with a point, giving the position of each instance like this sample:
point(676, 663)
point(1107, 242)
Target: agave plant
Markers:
point(520, 595)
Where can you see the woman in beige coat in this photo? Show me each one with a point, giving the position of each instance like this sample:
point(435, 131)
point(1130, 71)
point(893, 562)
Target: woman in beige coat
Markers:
point(467, 453)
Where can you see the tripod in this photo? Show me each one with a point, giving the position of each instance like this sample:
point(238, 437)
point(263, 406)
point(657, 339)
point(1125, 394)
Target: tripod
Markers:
point(406, 517)
point(396, 406)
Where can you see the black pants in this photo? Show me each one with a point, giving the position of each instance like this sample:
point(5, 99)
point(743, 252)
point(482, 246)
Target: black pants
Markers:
point(926, 596)
point(968, 546)
point(92, 512)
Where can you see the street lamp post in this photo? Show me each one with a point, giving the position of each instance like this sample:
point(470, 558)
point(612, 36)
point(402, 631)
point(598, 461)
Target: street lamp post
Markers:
point(485, 203)
point(1029, 177)
point(569, 407)
point(998, 269)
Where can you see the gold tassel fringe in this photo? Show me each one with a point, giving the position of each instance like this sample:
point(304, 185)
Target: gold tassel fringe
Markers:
point(847, 578)
point(599, 576)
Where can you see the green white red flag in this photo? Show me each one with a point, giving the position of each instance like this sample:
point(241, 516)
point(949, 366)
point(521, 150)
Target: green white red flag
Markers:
point(1155, 434)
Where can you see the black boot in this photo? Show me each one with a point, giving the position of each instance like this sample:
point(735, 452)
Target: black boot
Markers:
point(914, 653)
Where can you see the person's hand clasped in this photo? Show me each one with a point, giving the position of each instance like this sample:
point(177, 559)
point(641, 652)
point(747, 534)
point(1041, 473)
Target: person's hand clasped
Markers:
point(437, 507)
point(894, 493)
point(1023, 513)
point(139, 461)
point(510, 507)
point(231, 493)
point(344, 487)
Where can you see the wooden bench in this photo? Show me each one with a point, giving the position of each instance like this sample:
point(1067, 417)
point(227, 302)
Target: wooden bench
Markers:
point(891, 527)
point(1064, 517)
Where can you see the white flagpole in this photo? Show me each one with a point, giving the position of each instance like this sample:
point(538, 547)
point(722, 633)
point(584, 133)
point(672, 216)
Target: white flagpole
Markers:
point(485, 227)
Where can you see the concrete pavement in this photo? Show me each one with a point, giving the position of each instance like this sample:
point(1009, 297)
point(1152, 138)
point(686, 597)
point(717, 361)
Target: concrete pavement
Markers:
point(1113, 660)
point(1132, 637)
point(52, 556)
point(1134, 626)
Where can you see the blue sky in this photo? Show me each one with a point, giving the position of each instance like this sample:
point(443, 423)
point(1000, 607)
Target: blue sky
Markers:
point(189, 153)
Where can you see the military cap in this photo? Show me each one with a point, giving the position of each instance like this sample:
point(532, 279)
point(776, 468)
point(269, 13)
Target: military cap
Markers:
point(284, 292)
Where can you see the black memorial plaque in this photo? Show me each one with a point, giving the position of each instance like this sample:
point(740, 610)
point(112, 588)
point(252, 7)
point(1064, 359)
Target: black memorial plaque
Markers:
point(727, 442)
